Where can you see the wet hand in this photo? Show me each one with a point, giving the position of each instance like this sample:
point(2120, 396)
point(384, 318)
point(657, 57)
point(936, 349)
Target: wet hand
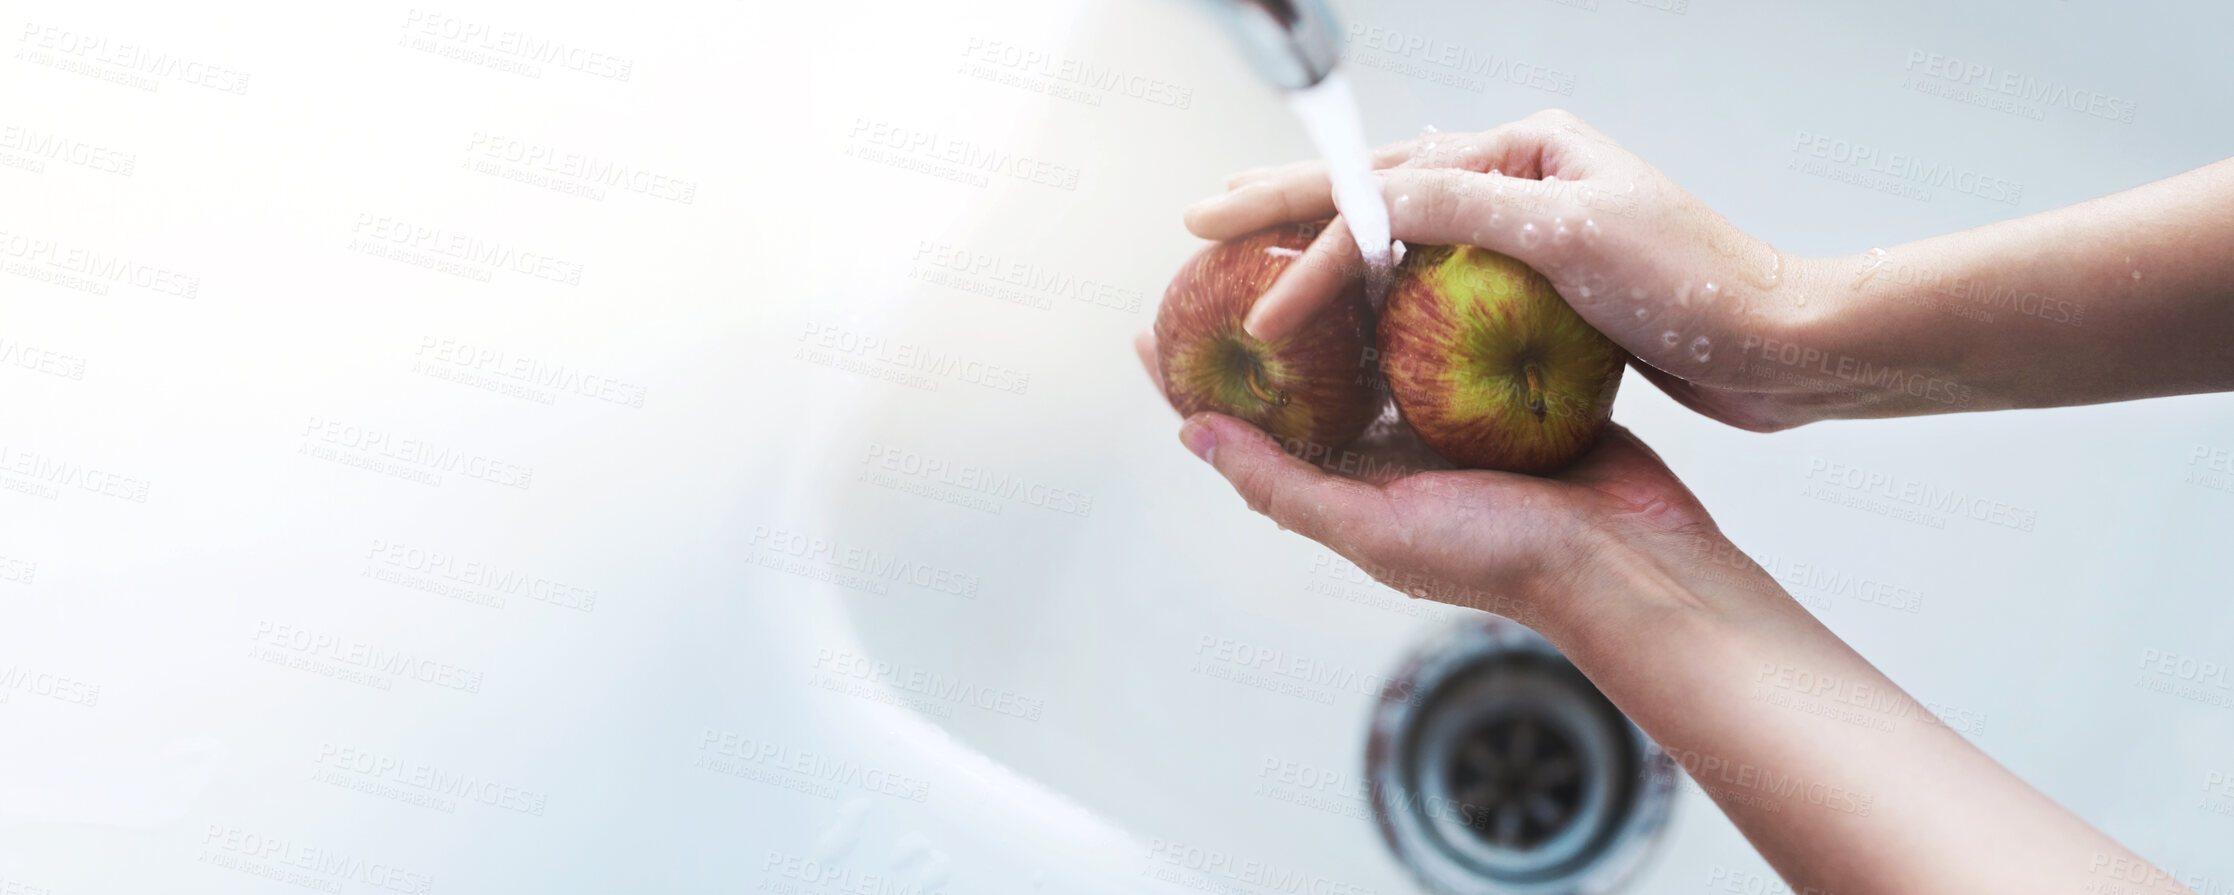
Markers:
point(1517, 545)
point(1685, 291)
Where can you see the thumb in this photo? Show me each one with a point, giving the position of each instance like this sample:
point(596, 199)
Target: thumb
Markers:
point(1533, 220)
point(1340, 513)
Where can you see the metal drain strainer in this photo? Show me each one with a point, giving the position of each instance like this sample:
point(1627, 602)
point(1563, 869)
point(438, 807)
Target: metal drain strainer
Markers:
point(1509, 773)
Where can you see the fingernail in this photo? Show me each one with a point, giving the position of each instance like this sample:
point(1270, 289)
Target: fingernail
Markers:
point(1205, 204)
point(1199, 439)
point(1254, 324)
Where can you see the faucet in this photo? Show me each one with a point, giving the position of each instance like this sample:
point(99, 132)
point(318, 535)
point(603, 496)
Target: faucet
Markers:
point(1291, 42)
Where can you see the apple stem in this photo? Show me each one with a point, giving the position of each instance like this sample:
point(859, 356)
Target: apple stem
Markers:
point(1535, 373)
point(1253, 376)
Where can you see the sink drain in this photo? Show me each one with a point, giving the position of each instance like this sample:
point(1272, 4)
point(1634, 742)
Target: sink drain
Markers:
point(1511, 774)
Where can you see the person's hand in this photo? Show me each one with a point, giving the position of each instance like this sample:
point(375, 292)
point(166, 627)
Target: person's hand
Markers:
point(1497, 541)
point(1676, 284)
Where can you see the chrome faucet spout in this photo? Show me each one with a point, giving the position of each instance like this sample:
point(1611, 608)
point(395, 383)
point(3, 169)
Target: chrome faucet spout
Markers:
point(1290, 42)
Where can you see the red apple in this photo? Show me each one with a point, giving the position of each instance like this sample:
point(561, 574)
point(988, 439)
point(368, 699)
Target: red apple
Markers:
point(1490, 366)
point(1315, 385)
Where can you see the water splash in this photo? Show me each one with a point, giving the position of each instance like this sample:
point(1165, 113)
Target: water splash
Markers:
point(1329, 113)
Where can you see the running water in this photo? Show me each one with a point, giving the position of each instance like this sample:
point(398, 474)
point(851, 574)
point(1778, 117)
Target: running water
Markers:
point(1328, 110)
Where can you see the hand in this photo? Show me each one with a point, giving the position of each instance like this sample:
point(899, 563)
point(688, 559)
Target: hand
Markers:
point(1653, 268)
point(1494, 541)
point(1618, 565)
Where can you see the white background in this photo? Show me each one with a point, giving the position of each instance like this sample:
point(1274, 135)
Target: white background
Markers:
point(187, 496)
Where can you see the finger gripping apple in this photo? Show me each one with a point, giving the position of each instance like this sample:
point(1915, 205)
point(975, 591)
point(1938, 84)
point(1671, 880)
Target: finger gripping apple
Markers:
point(1490, 366)
point(1316, 385)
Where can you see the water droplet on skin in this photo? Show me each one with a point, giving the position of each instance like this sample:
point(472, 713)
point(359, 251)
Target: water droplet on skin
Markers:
point(1776, 268)
point(1496, 217)
point(1701, 349)
point(1475, 237)
point(1550, 179)
point(1495, 172)
point(1403, 199)
point(1559, 232)
point(1683, 294)
point(1669, 338)
point(1709, 292)
point(1428, 130)
point(2136, 274)
point(1582, 291)
point(1530, 236)
point(1430, 147)
point(1875, 260)
point(1590, 232)
point(1642, 313)
point(1801, 301)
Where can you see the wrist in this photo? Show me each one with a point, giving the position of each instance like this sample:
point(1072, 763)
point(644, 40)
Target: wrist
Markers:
point(1847, 331)
point(1629, 585)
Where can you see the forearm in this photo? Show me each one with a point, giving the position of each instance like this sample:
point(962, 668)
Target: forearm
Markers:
point(2128, 296)
point(1843, 782)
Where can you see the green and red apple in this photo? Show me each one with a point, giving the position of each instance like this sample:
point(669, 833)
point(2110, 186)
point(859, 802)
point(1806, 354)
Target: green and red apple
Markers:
point(1486, 363)
point(1313, 386)
point(1490, 366)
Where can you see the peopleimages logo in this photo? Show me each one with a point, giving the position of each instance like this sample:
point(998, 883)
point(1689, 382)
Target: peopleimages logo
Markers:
point(1064, 77)
point(122, 58)
point(1295, 674)
point(1921, 496)
point(1899, 168)
point(936, 688)
point(1433, 59)
point(442, 782)
point(1998, 88)
point(1234, 869)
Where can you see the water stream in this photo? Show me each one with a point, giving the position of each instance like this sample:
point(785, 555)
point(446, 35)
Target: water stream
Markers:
point(1329, 112)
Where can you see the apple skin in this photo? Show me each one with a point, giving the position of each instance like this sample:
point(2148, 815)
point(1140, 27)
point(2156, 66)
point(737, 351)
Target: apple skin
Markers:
point(1316, 385)
point(1490, 366)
